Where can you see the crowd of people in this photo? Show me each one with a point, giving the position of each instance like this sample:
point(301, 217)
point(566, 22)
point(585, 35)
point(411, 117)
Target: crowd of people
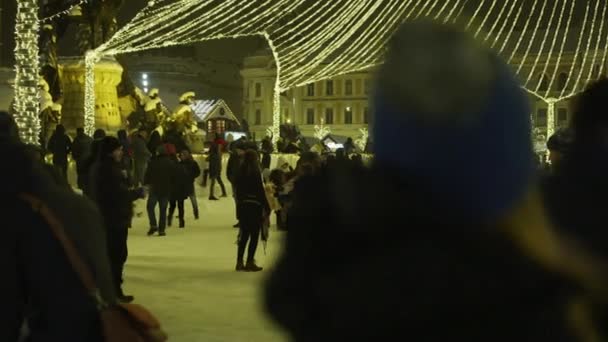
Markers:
point(452, 233)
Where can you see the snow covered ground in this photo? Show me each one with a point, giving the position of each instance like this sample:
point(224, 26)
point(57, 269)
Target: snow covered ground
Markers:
point(187, 278)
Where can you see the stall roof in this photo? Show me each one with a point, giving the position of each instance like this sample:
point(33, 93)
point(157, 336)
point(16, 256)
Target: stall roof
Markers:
point(205, 110)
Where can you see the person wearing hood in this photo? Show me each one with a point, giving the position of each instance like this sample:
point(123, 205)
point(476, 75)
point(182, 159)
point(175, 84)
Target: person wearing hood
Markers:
point(159, 181)
point(110, 191)
point(459, 248)
point(60, 146)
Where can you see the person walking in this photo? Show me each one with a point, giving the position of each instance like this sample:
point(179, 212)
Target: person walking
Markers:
point(215, 171)
point(60, 145)
point(110, 191)
point(81, 148)
point(159, 180)
point(192, 172)
point(179, 192)
point(253, 210)
point(141, 156)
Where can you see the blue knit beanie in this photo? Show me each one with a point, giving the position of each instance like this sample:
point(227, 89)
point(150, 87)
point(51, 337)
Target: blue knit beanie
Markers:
point(452, 115)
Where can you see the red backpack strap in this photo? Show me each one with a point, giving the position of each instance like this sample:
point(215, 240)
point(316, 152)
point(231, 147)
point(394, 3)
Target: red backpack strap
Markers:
point(78, 265)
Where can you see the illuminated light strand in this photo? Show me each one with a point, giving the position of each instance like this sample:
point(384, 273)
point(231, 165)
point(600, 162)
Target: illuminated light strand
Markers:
point(586, 54)
point(531, 42)
point(354, 38)
point(603, 63)
point(508, 37)
point(497, 20)
point(561, 50)
point(355, 50)
point(597, 44)
point(62, 13)
point(576, 53)
point(504, 24)
point(485, 19)
point(523, 33)
point(355, 25)
point(27, 103)
point(542, 47)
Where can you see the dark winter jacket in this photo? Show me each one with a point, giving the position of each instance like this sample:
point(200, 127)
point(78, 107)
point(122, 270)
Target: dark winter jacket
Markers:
point(81, 148)
point(159, 176)
point(215, 164)
point(60, 146)
point(38, 280)
point(110, 190)
point(397, 269)
point(251, 190)
point(233, 166)
point(192, 172)
point(181, 182)
point(140, 150)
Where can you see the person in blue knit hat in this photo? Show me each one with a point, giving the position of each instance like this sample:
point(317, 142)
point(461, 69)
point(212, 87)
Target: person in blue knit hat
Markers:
point(444, 238)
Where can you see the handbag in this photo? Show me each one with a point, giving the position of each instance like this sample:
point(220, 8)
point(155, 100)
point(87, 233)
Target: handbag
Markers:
point(120, 322)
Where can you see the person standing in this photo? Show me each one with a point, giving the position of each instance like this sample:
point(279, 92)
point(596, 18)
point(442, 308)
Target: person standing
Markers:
point(215, 171)
point(110, 190)
point(81, 148)
point(232, 170)
point(192, 172)
point(158, 179)
point(127, 153)
point(141, 156)
point(60, 146)
point(179, 191)
point(253, 210)
point(154, 142)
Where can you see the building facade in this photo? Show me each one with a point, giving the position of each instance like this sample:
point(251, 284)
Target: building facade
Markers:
point(342, 103)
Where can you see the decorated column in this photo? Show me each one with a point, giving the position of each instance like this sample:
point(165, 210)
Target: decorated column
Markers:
point(26, 105)
point(551, 117)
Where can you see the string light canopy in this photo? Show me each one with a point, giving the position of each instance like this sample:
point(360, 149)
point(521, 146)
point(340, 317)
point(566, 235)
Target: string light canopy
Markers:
point(316, 40)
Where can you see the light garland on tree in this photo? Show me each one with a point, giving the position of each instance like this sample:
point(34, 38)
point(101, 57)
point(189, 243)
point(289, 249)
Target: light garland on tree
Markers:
point(27, 103)
point(321, 131)
point(314, 41)
point(361, 142)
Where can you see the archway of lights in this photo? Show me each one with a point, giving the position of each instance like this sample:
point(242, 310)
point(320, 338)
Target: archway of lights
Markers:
point(313, 40)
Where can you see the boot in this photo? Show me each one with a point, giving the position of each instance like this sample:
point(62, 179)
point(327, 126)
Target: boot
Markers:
point(162, 233)
point(152, 231)
point(123, 298)
point(213, 198)
point(169, 220)
point(240, 267)
point(182, 224)
point(252, 267)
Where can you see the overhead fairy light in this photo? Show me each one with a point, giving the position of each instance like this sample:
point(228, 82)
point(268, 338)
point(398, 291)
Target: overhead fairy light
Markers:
point(27, 103)
point(313, 41)
point(64, 12)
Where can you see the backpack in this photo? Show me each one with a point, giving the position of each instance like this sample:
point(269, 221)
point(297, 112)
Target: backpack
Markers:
point(120, 322)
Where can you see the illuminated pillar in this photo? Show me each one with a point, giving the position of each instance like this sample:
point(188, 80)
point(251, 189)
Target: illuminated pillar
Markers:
point(26, 105)
point(551, 117)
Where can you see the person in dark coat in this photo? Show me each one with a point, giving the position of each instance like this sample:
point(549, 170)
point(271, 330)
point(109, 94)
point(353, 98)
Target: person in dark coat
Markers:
point(253, 210)
point(192, 172)
point(349, 146)
point(110, 191)
point(81, 149)
point(90, 159)
point(576, 189)
point(60, 146)
point(154, 142)
point(127, 154)
point(40, 285)
point(159, 181)
point(266, 150)
point(445, 228)
point(232, 169)
point(179, 192)
point(215, 171)
point(141, 156)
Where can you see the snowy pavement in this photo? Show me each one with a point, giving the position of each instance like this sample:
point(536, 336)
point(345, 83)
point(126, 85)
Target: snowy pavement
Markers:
point(187, 278)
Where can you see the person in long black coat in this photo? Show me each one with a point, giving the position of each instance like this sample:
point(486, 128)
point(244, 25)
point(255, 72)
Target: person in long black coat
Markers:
point(110, 191)
point(253, 210)
point(179, 192)
point(193, 170)
point(160, 182)
point(60, 145)
point(215, 171)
